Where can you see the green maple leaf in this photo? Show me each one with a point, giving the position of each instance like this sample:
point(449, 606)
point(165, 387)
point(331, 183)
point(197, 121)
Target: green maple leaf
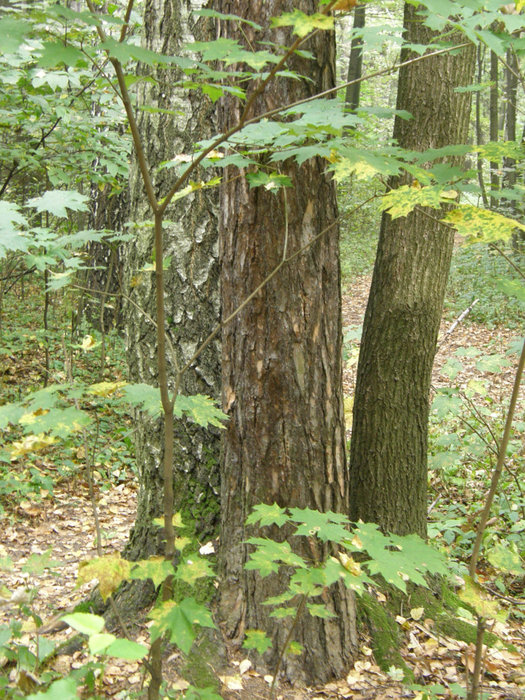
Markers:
point(59, 422)
point(85, 623)
point(477, 598)
point(302, 23)
point(38, 563)
point(63, 689)
point(127, 649)
point(178, 619)
point(256, 639)
point(55, 52)
point(57, 202)
point(156, 568)
point(395, 558)
point(318, 610)
point(512, 288)
point(402, 200)
point(326, 526)
point(145, 397)
point(200, 409)
point(279, 599)
point(267, 515)
point(506, 559)
point(193, 568)
point(10, 238)
point(12, 33)
point(220, 15)
point(269, 552)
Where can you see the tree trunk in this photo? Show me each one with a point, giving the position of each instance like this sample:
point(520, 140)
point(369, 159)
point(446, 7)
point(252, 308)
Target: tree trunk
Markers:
point(493, 123)
point(388, 463)
point(355, 63)
point(282, 374)
point(103, 275)
point(192, 298)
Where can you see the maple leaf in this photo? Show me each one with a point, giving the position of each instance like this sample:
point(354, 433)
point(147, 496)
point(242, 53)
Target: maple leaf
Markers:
point(110, 571)
point(57, 202)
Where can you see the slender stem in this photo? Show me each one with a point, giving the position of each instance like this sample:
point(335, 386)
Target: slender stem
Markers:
point(473, 692)
point(509, 260)
point(300, 610)
point(126, 101)
point(499, 466)
point(127, 15)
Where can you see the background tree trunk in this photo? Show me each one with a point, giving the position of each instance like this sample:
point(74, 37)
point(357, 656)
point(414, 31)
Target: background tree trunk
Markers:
point(388, 463)
point(355, 62)
point(192, 299)
point(494, 123)
point(282, 374)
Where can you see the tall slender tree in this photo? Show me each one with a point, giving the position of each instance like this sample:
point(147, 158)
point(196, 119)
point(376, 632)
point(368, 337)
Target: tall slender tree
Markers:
point(281, 357)
point(176, 123)
point(355, 62)
point(388, 463)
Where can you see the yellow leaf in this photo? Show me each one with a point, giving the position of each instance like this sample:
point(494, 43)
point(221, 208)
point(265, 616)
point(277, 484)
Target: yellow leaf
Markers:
point(30, 444)
point(417, 613)
point(110, 571)
point(105, 388)
point(478, 224)
point(88, 343)
point(350, 564)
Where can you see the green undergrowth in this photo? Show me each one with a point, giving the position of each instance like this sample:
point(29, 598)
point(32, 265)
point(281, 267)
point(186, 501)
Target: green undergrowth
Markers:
point(478, 272)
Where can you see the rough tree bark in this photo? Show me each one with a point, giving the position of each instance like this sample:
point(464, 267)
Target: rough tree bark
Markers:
point(388, 462)
point(192, 298)
point(281, 360)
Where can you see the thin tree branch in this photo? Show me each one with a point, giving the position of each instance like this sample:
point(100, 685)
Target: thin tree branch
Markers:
point(222, 138)
point(499, 466)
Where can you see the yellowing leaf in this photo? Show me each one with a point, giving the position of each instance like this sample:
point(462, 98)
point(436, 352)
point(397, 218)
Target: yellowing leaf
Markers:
point(302, 23)
point(350, 564)
point(417, 613)
point(105, 388)
point(110, 572)
point(477, 224)
point(475, 596)
point(88, 343)
point(177, 521)
point(30, 444)
point(155, 568)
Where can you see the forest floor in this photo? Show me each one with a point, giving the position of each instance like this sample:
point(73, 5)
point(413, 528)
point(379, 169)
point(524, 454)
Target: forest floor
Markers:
point(62, 524)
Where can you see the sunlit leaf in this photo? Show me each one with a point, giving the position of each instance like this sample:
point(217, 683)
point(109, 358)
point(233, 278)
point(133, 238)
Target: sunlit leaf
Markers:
point(86, 623)
point(57, 202)
point(477, 224)
point(302, 23)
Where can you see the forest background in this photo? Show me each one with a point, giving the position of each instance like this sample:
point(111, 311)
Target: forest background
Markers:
point(66, 155)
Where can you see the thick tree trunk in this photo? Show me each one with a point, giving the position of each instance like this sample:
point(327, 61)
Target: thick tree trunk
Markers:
point(192, 298)
point(281, 359)
point(388, 463)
